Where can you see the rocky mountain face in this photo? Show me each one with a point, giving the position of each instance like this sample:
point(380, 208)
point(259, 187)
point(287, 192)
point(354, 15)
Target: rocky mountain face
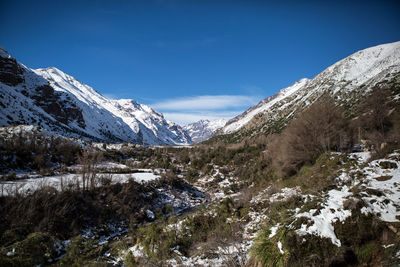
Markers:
point(61, 104)
point(347, 81)
point(204, 129)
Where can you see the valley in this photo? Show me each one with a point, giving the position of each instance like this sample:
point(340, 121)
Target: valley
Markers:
point(308, 177)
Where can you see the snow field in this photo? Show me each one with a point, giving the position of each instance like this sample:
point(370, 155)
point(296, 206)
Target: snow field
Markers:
point(70, 180)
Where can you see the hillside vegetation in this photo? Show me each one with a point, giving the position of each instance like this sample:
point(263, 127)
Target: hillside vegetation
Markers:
point(308, 177)
point(296, 198)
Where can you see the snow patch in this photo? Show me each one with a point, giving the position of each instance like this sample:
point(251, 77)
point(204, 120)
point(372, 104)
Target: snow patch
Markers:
point(69, 180)
point(386, 181)
point(324, 218)
point(280, 247)
point(150, 214)
point(273, 230)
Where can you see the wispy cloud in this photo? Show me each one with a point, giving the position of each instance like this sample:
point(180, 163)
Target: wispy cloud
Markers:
point(206, 102)
point(186, 118)
point(186, 110)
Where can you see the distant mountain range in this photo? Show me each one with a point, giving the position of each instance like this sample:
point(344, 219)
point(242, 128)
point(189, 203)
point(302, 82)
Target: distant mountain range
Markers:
point(347, 81)
point(204, 129)
point(59, 103)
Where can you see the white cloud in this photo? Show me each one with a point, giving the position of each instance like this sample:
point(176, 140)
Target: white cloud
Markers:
point(185, 110)
point(206, 102)
point(186, 118)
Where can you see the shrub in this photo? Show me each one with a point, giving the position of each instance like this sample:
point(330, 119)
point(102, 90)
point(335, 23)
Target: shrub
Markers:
point(129, 260)
point(34, 250)
point(81, 252)
point(12, 176)
point(265, 250)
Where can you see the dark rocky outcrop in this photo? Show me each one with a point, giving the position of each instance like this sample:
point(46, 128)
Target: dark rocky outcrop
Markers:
point(10, 72)
point(62, 110)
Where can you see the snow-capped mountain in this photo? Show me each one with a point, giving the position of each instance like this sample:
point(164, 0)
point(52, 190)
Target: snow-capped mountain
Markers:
point(58, 102)
point(204, 129)
point(347, 81)
point(264, 105)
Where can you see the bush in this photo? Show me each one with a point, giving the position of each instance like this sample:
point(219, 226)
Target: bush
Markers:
point(34, 250)
point(12, 176)
point(25, 150)
point(129, 260)
point(265, 251)
point(378, 122)
point(191, 175)
point(67, 212)
point(81, 252)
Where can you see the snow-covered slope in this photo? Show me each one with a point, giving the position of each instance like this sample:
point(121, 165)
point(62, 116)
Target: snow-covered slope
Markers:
point(265, 104)
point(58, 102)
point(204, 129)
point(145, 124)
point(26, 98)
point(346, 80)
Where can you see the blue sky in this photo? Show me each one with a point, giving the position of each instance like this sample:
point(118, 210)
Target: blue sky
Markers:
point(193, 59)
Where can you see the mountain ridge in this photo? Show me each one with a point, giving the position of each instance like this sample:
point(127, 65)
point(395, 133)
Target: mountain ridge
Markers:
point(202, 130)
point(347, 81)
point(60, 103)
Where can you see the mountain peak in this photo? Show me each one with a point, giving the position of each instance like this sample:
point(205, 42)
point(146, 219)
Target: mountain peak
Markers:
point(127, 102)
point(202, 130)
point(4, 53)
point(63, 105)
point(302, 80)
point(54, 71)
point(364, 64)
point(241, 120)
point(346, 79)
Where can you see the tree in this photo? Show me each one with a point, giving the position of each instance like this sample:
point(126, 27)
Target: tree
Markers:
point(375, 114)
point(318, 129)
point(88, 160)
